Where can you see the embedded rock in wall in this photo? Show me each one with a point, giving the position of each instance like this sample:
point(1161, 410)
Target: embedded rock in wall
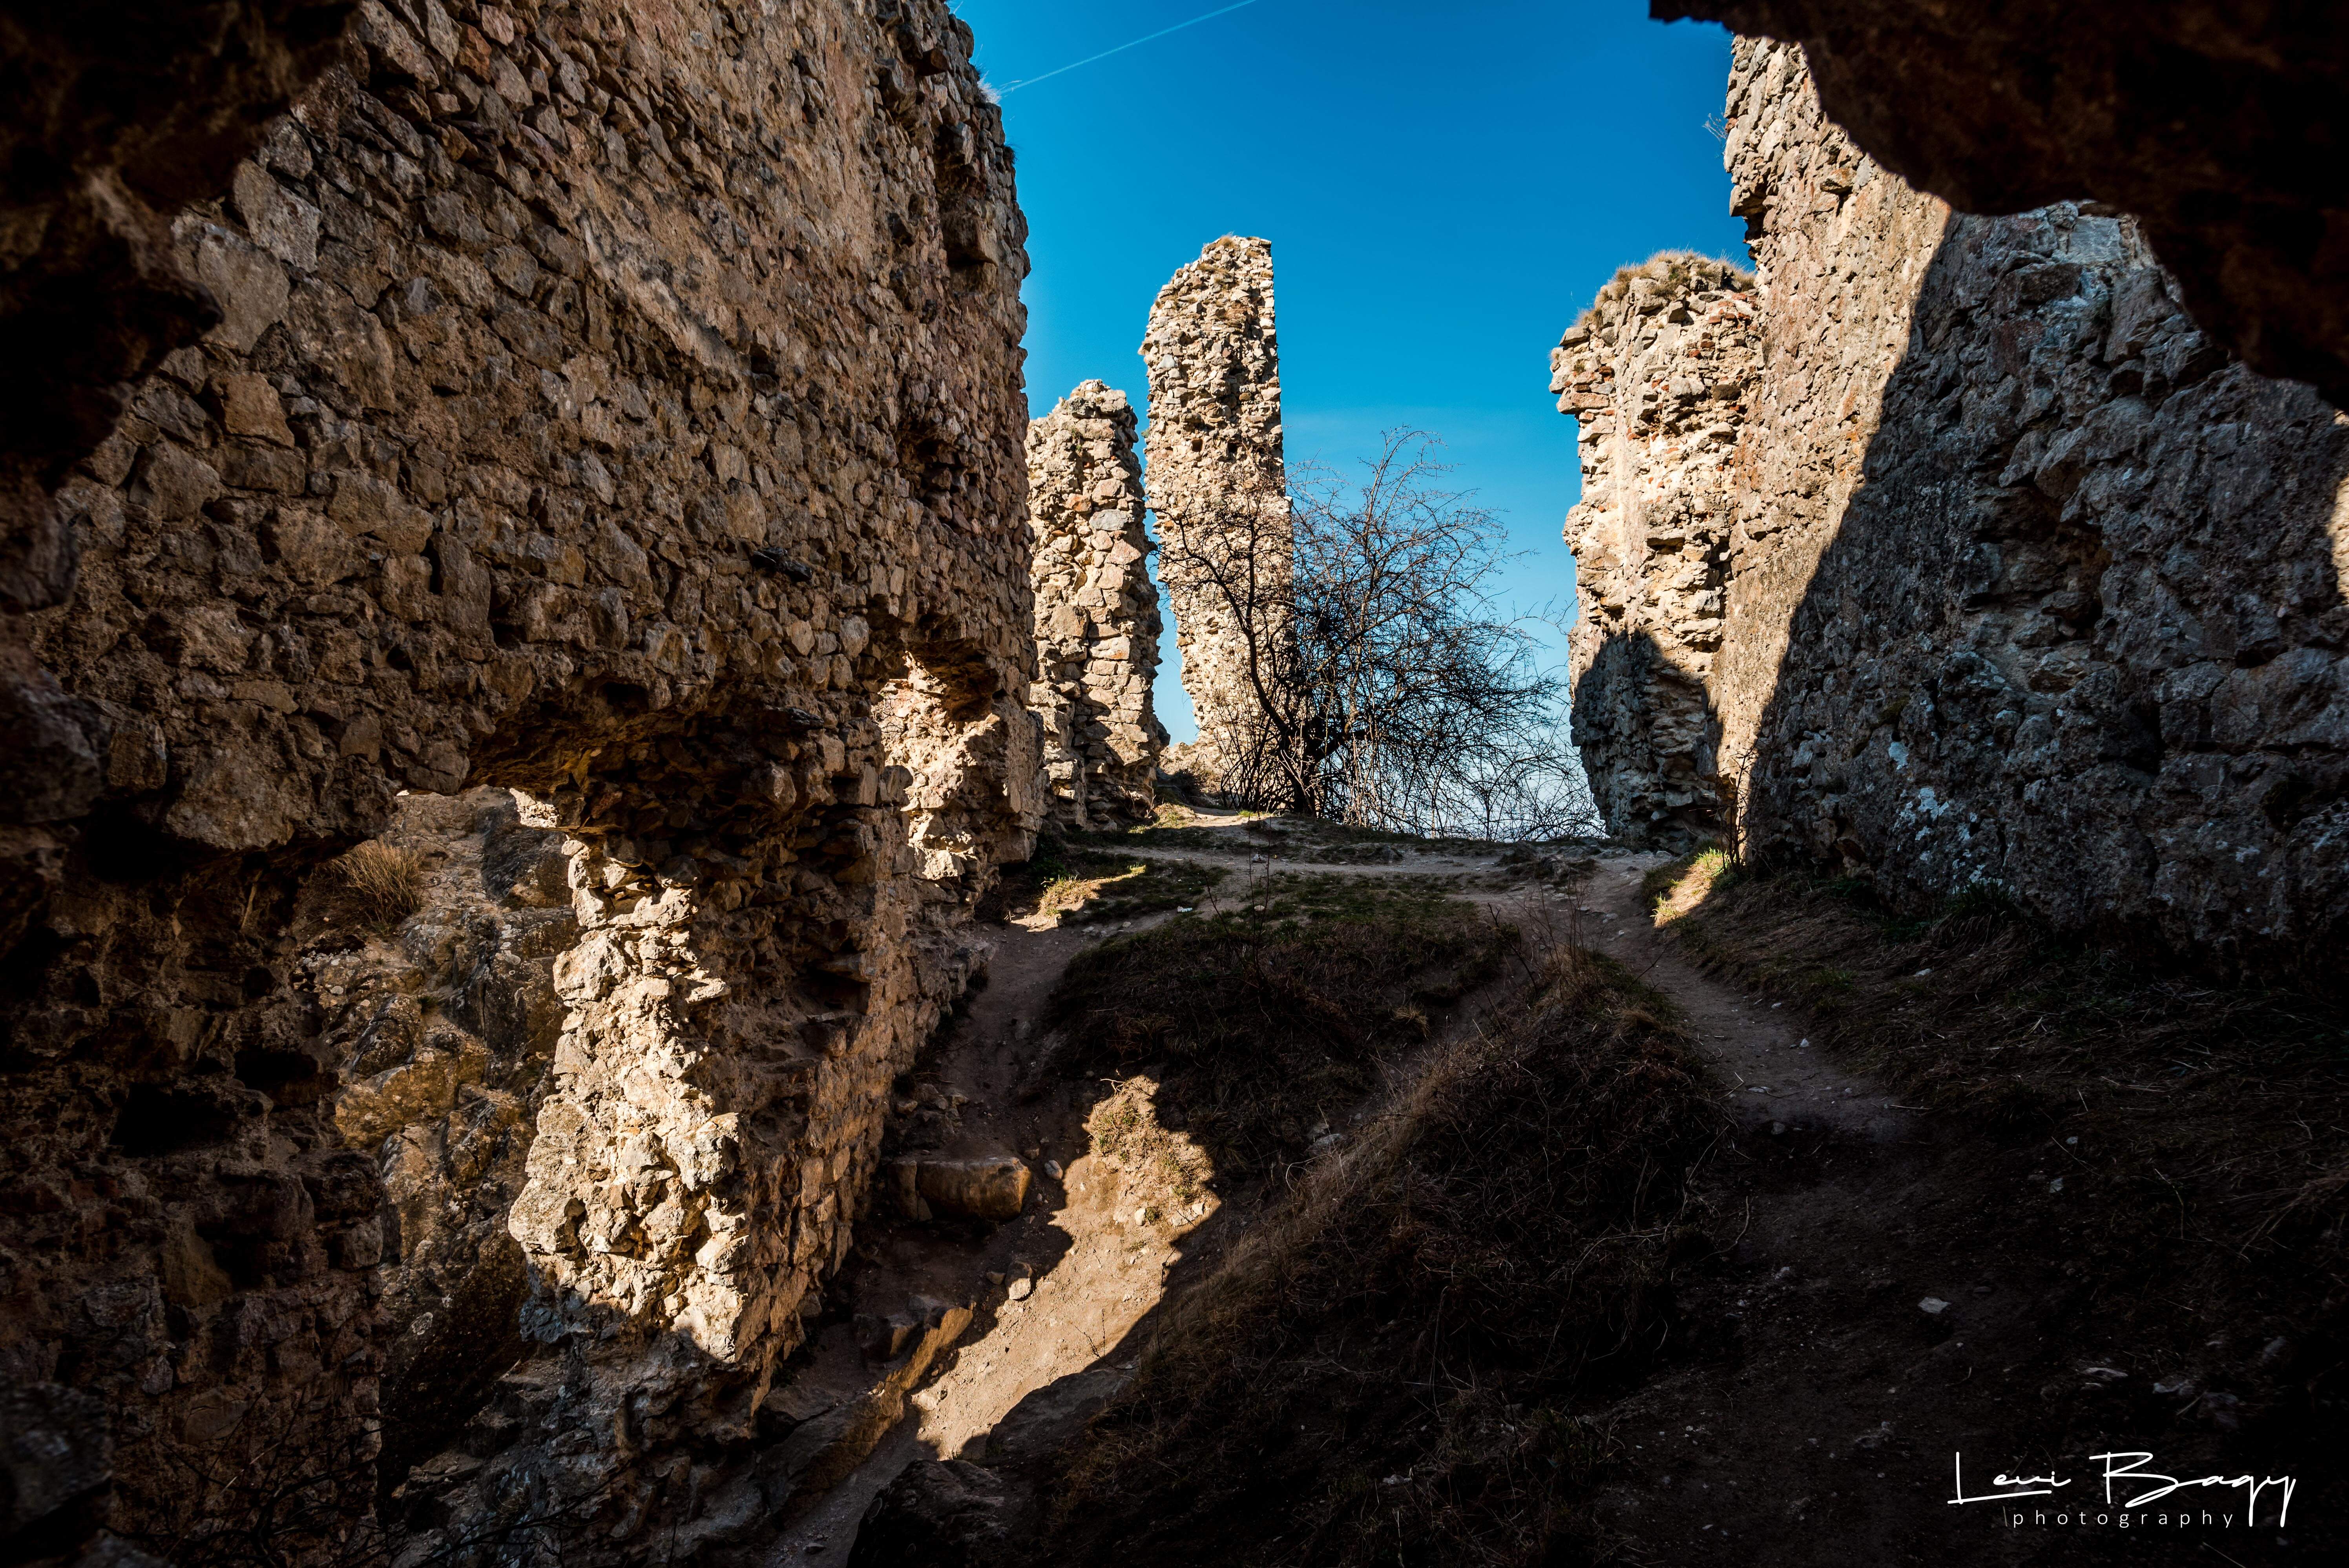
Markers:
point(621, 406)
point(1218, 482)
point(1096, 611)
point(1657, 373)
point(2221, 127)
point(2030, 584)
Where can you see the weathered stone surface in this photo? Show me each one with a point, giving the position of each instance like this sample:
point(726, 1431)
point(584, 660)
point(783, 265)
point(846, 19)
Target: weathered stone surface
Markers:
point(442, 1034)
point(2030, 584)
point(117, 112)
point(56, 1469)
point(620, 406)
point(1218, 481)
point(2221, 127)
point(1097, 621)
point(1657, 372)
point(978, 1187)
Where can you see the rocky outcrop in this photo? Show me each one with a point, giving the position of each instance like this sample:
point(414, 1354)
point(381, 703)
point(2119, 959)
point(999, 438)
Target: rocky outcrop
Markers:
point(618, 406)
point(1096, 611)
point(2221, 127)
point(1657, 373)
point(2030, 585)
point(1218, 483)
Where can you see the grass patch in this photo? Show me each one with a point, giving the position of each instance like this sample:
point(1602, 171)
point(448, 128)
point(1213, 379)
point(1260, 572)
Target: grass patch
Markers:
point(1268, 1026)
point(1077, 882)
point(1162, 1168)
point(1672, 889)
point(1397, 1366)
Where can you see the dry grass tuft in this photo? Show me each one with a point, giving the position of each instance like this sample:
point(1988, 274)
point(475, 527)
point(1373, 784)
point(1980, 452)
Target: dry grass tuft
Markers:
point(381, 884)
point(1383, 1372)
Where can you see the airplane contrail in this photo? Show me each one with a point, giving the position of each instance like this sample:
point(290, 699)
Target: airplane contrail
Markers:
point(1089, 59)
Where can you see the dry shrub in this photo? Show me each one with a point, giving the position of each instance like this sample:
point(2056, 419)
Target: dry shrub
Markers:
point(1388, 1371)
point(381, 884)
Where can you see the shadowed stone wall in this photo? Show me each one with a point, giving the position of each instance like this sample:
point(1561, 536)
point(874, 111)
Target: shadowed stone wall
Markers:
point(2221, 127)
point(2030, 584)
point(616, 403)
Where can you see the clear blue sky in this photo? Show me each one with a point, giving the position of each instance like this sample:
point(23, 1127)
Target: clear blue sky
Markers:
point(1445, 185)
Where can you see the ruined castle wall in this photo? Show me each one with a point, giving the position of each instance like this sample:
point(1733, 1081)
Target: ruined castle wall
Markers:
point(616, 403)
point(2030, 584)
point(1097, 621)
point(1218, 481)
point(1657, 373)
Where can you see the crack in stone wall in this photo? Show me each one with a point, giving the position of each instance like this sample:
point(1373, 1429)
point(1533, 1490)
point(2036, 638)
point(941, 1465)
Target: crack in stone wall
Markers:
point(1097, 621)
point(1657, 372)
point(2030, 584)
point(616, 405)
point(1218, 483)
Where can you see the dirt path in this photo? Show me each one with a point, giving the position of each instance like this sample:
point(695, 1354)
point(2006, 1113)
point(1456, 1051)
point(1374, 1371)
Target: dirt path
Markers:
point(1056, 1293)
point(1095, 1269)
point(1767, 1065)
point(1862, 1318)
point(1881, 1304)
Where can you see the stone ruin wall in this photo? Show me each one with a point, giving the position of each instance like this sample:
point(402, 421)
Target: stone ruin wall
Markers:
point(614, 404)
point(1097, 621)
point(1218, 481)
point(1657, 373)
point(2030, 584)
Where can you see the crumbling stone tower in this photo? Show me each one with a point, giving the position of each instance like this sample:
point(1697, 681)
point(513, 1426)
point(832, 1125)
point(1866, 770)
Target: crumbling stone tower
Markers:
point(1096, 611)
point(1655, 372)
point(1221, 486)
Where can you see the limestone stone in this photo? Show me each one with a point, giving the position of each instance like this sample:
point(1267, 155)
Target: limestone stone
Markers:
point(1657, 372)
point(2204, 119)
point(1218, 480)
point(1097, 624)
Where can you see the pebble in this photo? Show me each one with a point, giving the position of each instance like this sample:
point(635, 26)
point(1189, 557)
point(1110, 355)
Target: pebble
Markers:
point(1933, 1306)
point(1053, 1168)
point(1017, 1290)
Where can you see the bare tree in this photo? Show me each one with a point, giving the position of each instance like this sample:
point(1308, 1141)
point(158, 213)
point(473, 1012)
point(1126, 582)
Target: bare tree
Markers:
point(1391, 690)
